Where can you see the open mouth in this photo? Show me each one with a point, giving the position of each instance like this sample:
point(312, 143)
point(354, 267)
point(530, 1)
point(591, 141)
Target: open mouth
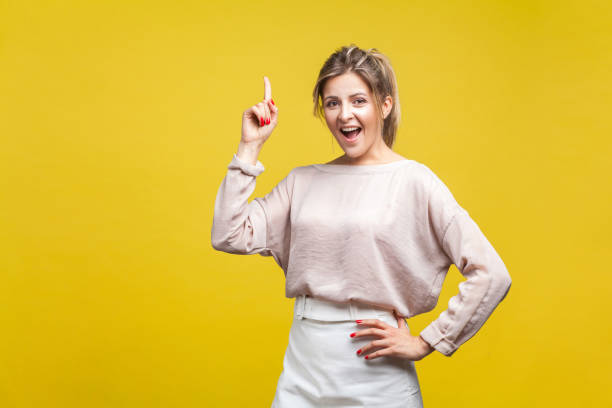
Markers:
point(351, 133)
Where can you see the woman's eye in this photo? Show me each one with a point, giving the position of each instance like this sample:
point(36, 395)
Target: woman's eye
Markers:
point(334, 103)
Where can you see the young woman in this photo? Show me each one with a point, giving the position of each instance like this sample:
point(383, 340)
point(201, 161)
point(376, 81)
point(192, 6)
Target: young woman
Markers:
point(365, 241)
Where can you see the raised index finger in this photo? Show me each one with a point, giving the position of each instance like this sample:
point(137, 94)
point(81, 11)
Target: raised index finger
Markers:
point(267, 89)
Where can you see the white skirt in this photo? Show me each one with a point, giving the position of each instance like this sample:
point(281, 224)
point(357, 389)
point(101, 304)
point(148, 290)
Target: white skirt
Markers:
point(321, 367)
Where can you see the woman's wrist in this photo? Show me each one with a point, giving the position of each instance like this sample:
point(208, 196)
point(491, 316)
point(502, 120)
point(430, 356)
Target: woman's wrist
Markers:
point(426, 346)
point(248, 152)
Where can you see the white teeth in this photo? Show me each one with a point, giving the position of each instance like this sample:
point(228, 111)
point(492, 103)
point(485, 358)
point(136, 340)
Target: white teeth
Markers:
point(349, 129)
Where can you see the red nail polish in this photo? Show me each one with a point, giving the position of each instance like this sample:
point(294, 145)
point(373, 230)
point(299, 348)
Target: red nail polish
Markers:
point(359, 351)
point(359, 321)
point(352, 334)
point(261, 121)
point(268, 121)
point(272, 100)
point(366, 357)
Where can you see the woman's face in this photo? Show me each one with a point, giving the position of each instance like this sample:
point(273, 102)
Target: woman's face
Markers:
point(351, 114)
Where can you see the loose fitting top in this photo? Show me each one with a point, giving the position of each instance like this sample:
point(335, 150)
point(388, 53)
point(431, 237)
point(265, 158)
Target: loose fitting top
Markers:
point(381, 234)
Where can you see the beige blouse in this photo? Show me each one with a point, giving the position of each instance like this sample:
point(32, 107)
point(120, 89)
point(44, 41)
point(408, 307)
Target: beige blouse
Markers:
point(382, 234)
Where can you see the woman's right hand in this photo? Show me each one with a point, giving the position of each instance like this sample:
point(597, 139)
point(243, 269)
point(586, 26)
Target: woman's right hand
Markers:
point(259, 120)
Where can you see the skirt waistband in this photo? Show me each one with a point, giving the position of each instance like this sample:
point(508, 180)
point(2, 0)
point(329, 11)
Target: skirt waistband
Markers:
point(314, 308)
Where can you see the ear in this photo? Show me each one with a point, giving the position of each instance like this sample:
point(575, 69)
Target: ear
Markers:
point(387, 105)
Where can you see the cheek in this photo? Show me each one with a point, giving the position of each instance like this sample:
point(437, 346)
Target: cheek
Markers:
point(329, 120)
point(370, 120)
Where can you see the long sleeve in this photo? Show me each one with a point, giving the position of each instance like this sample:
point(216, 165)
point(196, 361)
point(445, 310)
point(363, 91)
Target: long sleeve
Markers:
point(259, 226)
point(488, 280)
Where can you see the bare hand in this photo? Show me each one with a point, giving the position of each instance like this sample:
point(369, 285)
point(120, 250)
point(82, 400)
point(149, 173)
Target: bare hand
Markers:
point(396, 341)
point(259, 120)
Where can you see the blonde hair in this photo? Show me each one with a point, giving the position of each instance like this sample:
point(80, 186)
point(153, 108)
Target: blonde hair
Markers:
point(375, 69)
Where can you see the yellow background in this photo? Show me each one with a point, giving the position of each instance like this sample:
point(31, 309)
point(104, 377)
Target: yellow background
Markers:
point(118, 120)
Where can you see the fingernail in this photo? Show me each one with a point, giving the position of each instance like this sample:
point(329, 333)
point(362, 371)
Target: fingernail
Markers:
point(261, 121)
point(359, 351)
point(272, 100)
point(366, 357)
point(359, 321)
point(268, 121)
point(352, 334)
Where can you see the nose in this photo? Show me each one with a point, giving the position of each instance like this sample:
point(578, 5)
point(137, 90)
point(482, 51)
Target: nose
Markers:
point(346, 113)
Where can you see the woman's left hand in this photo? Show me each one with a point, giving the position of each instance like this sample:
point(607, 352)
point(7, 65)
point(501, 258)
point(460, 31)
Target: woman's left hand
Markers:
point(396, 341)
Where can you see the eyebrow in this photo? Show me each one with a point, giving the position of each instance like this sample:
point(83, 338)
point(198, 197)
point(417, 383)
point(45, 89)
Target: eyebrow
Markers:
point(350, 96)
